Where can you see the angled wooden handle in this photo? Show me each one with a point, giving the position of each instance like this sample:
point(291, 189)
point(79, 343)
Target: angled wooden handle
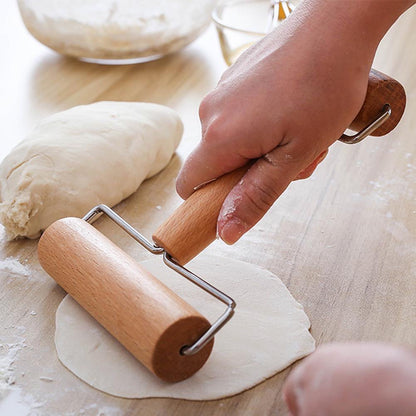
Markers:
point(192, 227)
point(150, 320)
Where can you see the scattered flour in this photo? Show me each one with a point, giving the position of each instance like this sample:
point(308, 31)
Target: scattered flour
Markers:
point(393, 189)
point(8, 354)
point(6, 374)
point(13, 400)
point(12, 266)
point(100, 411)
point(12, 404)
point(18, 404)
point(47, 379)
point(3, 236)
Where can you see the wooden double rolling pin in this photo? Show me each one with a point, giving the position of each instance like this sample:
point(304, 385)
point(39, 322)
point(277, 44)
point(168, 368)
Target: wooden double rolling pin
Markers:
point(148, 318)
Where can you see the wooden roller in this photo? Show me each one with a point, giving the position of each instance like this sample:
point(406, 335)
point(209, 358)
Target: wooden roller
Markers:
point(150, 320)
point(192, 227)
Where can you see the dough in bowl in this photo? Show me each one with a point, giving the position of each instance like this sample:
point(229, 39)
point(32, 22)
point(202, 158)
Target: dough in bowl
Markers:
point(82, 157)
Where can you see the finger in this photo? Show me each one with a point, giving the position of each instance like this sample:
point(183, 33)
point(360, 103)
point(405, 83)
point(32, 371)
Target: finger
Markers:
point(311, 168)
point(227, 144)
point(293, 391)
point(205, 163)
point(263, 183)
point(357, 378)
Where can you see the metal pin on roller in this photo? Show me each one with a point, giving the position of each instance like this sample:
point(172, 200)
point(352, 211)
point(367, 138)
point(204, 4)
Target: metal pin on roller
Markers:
point(370, 128)
point(207, 336)
point(156, 326)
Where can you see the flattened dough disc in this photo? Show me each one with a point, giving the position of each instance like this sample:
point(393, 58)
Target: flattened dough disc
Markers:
point(268, 332)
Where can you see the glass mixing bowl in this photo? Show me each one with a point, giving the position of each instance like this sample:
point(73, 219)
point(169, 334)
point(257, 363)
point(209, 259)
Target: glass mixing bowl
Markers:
point(116, 31)
point(241, 23)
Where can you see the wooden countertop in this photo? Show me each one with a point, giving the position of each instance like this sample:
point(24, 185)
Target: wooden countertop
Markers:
point(343, 241)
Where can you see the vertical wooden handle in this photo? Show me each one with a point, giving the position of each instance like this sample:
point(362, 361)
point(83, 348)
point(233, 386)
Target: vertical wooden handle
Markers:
point(381, 90)
point(192, 227)
point(150, 320)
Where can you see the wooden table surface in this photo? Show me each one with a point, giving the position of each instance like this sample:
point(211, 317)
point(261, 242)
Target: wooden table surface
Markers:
point(343, 241)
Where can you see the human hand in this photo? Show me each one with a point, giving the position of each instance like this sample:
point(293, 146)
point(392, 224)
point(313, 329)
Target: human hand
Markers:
point(283, 103)
point(363, 379)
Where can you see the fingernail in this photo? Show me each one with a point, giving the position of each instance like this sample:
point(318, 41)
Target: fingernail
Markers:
point(204, 183)
point(321, 157)
point(232, 230)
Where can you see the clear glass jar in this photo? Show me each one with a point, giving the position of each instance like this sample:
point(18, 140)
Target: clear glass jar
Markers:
point(241, 23)
point(116, 31)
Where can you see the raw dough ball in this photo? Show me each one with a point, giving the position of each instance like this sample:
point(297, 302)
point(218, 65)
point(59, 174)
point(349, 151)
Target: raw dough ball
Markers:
point(268, 332)
point(82, 157)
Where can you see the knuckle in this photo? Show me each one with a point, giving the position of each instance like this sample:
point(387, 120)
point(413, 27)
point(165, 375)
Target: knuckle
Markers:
point(214, 131)
point(297, 154)
point(206, 106)
point(260, 198)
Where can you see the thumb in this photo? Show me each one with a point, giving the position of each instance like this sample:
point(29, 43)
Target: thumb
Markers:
point(259, 188)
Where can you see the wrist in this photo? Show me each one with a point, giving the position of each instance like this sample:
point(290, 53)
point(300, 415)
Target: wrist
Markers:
point(354, 27)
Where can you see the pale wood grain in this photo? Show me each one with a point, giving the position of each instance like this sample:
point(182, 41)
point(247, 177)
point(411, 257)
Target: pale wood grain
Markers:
point(192, 226)
point(150, 320)
point(343, 241)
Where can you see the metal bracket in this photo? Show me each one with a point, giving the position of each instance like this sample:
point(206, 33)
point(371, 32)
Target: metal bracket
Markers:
point(366, 131)
point(205, 338)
